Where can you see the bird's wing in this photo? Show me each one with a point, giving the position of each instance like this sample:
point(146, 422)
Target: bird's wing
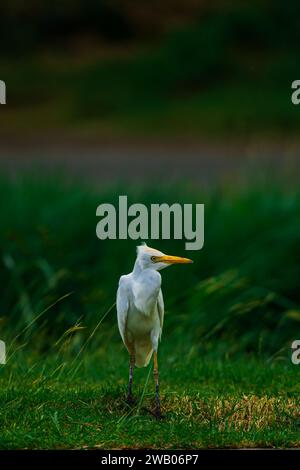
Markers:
point(161, 310)
point(122, 307)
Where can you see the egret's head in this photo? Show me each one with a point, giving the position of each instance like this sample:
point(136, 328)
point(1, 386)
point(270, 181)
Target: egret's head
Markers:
point(154, 259)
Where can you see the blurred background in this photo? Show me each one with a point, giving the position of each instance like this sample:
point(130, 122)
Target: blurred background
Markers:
point(115, 88)
point(173, 101)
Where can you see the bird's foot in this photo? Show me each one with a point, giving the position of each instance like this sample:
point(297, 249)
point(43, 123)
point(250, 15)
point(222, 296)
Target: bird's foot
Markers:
point(157, 413)
point(130, 400)
point(158, 416)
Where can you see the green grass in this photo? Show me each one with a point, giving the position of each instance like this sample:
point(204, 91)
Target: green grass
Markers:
point(225, 369)
point(205, 404)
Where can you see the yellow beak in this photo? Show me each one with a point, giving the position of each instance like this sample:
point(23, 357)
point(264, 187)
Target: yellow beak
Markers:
point(172, 259)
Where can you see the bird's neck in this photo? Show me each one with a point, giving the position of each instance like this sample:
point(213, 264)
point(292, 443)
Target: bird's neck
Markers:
point(137, 269)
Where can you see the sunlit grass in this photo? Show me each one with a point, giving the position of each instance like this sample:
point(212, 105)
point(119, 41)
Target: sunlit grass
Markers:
point(217, 404)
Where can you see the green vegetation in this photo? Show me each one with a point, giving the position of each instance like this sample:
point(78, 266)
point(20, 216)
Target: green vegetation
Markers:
point(226, 375)
point(240, 295)
point(229, 71)
point(205, 404)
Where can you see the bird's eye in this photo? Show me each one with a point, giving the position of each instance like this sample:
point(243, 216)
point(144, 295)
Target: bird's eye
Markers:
point(153, 258)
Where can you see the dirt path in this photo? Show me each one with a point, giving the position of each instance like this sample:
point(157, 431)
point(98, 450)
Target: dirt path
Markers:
point(204, 162)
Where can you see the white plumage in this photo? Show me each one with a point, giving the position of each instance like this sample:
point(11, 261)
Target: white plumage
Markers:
point(140, 308)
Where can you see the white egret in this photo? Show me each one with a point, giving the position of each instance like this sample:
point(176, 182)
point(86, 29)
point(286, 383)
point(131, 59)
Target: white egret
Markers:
point(140, 309)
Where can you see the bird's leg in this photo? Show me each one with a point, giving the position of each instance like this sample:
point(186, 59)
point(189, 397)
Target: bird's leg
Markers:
point(131, 367)
point(157, 401)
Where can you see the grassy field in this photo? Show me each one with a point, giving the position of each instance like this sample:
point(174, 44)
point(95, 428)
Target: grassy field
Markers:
point(225, 368)
point(244, 403)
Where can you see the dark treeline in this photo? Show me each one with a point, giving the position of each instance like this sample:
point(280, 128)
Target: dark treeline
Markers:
point(26, 27)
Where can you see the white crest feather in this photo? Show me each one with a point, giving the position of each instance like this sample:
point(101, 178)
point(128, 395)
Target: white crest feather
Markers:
point(141, 246)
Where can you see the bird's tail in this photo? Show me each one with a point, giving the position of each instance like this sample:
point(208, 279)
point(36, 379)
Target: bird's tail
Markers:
point(143, 356)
